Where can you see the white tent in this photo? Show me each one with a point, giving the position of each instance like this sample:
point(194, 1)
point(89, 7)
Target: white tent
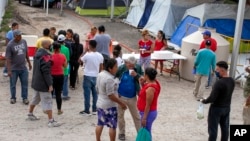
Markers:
point(136, 10)
point(166, 14)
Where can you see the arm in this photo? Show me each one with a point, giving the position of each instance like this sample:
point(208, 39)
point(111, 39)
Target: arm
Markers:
point(27, 57)
point(165, 45)
point(8, 55)
point(149, 98)
point(213, 95)
point(101, 67)
point(65, 64)
point(118, 101)
point(45, 66)
point(196, 62)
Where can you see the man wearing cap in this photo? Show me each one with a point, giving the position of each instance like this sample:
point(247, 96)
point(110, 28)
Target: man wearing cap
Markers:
point(16, 53)
point(207, 36)
point(64, 50)
point(128, 74)
point(204, 61)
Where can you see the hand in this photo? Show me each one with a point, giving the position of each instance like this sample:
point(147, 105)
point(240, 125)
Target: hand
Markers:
point(30, 67)
point(143, 122)
point(124, 107)
point(212, 73)
point(133, 73)
point(50, 89)
point(248, 101)
point(9, 73)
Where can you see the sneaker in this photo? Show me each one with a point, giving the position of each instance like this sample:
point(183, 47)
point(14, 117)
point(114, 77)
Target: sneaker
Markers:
point(94, 112)
point(32, 117)
point(60, 112)
point(54, 124)
point(122, 137)
point(84, 113)
point(66, 98)
point(26, 101)
point(161, 74)
point(12, 101)
point(5, 74)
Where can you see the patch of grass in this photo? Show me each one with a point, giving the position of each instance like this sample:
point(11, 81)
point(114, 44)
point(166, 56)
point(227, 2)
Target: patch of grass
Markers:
point(9, 12)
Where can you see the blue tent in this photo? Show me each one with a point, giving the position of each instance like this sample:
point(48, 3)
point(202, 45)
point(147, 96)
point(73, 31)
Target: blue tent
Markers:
point(221, 17)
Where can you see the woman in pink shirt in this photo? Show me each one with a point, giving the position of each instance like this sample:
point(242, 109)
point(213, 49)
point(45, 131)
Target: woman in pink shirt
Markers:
point(59, 62)
point(160, 44)
point(89, 36)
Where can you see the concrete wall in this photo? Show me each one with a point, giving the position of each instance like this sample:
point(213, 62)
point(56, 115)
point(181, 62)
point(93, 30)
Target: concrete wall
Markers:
point(3, 4)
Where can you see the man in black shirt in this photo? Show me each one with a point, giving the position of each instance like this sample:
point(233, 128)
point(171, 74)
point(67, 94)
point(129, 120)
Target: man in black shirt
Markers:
point(220, 99)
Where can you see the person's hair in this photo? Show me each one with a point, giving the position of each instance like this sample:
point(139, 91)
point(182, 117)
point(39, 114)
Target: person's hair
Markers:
point(163, 35)
point(46, 41)
point(46, 32)
point(14, 24)
point(62, 32)
point(70, 31)
point(56, 46)
point(222, 64)
point(118, 48)
point(93, 27)
point(92, 44)
point(116, 53)
point(101, 28)
point(110, 64)
point(144, 32)
point(76, 38)
point(151, 73)
point(131, 59)
point(52, 28)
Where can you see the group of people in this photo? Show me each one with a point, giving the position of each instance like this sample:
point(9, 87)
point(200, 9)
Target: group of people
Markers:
point(114, 83)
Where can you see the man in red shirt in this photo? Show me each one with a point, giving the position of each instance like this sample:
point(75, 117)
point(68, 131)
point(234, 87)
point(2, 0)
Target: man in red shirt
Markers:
point(213, 47)
point(207, 36)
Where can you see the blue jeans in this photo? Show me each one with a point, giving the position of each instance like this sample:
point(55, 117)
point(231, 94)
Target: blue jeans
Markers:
point(5, 69)
point(23, 76)
point(89, 85)
point(65, 86)
point(216, 116)
point(150, 119)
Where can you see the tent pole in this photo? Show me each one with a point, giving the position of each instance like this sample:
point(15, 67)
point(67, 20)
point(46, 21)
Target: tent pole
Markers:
point(112, 9)
point(61, 11)
point(237, 37)
point(47, 8)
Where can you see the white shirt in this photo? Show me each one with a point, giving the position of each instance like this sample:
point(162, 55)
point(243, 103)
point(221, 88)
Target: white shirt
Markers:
point(106, 85)
point(92, 61)
point(119, 61)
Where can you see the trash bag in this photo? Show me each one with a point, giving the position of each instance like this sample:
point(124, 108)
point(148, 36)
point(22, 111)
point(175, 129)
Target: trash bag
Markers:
point(200, 111)
point(246, 115)
point(143, 135)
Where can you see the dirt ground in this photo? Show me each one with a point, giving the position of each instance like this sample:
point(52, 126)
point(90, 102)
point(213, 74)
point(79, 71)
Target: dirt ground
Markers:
point(176, 111)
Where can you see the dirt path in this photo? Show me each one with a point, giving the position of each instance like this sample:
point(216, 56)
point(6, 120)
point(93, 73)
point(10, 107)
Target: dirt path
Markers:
point(177, 108)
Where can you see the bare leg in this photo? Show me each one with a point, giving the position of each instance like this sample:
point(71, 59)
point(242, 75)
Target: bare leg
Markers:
point(98, 132)
point(156, 64)
point(49, 112)
point(161, 66)
point(32, 107)
point(112, 134)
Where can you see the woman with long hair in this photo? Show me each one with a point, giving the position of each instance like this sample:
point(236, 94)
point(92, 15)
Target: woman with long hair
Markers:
point(59, 63)
point(160, 44)
point(77, 50)
point(148, 98)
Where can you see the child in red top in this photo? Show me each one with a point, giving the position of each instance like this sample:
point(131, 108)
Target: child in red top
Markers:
point(59, 62)
point(145, 48)
point(160, 44)
point(148, 97)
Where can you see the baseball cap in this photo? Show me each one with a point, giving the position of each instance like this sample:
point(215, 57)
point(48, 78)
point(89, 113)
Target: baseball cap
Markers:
point(17, 32)
point(61, 38)
point(208, 42)
point(206, 32)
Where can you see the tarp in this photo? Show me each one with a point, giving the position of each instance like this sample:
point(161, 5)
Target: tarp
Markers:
point(221, 17)
point(166, 14)
point(100, 4)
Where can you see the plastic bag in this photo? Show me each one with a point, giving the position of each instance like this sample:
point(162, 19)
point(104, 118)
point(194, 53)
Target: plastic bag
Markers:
point(200, 111)
point(143, 135)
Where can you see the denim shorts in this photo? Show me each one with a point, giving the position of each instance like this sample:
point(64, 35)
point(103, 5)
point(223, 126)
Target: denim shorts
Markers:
point(107, 117)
